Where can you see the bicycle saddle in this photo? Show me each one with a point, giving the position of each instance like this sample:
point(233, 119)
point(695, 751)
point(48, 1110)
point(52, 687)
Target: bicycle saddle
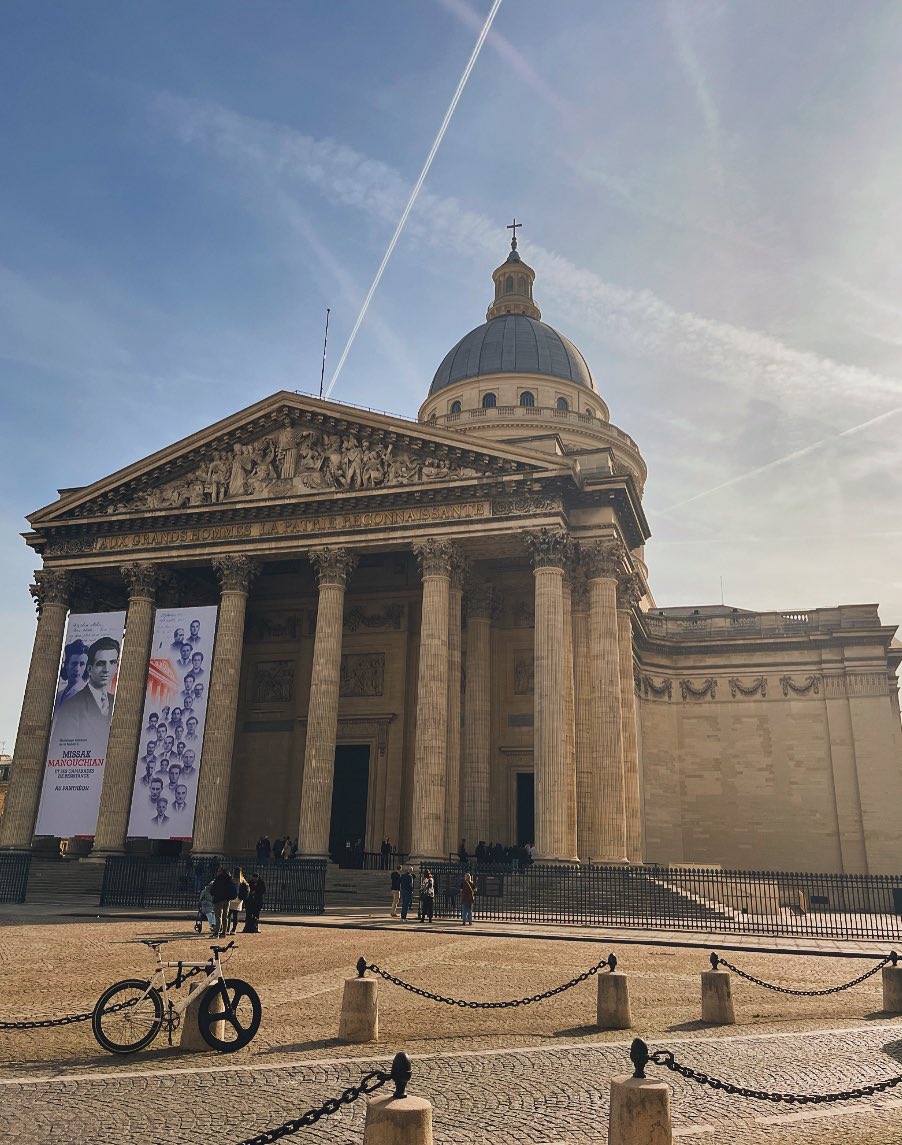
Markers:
point(153, 943)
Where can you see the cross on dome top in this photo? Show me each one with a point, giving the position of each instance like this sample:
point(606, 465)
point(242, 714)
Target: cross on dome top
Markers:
point(513, 227)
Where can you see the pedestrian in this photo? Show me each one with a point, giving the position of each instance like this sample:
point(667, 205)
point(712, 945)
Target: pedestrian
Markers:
point(223, 891)
point(406, 891)
point(253, 904)
point(267, 848)
point(261, 850)
point(467, 895)
point(395, 890)
point(238, 901)
point(205, 911)
point(462, 852)
point(385, 850)
point(427, 896)
point(277, 849)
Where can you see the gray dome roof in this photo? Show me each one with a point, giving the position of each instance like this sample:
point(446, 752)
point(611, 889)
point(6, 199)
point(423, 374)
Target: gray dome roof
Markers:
point(513, 344)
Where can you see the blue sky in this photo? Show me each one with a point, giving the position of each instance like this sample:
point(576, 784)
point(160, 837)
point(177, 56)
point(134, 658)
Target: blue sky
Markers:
point(710, 192)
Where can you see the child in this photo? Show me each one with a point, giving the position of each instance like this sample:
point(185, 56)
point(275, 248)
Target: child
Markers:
point(205, 911)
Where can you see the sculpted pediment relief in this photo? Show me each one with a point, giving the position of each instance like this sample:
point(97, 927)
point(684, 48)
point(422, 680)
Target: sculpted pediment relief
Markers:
point(295, 455)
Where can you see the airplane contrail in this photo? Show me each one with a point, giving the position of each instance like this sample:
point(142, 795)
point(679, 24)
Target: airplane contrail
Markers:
point(436, 143)
point(794, 456)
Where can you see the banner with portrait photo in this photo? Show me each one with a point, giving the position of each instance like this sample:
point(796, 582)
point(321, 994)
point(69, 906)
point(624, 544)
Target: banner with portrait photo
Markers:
point(172, 730)
point(83, 709)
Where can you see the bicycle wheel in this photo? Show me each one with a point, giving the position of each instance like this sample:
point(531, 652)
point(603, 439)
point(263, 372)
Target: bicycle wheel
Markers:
point(128, 1016)
point(229, 1015)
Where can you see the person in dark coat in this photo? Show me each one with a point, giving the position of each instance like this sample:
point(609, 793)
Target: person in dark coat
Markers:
point(253, 904)
point(395, 890)
point(223, 890)
point(406, 891)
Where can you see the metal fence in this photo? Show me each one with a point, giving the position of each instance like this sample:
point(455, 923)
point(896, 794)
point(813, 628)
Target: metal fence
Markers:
point(681, 898)
point(14, 877)
point(297, 886)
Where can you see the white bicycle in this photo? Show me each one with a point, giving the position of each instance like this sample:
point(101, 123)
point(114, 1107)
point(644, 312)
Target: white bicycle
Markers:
point(130, 1014)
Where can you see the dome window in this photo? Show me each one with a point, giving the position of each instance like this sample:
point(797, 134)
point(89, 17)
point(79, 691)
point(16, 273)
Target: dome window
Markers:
point(590, 412)
point(562, 405)
point(489, 401)
point(527, 398)
point(509, 284)
point(521, 283)
point(455, 407)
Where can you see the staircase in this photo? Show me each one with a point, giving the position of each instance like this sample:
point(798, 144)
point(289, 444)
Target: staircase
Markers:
point(353, 888)
point(70, 882)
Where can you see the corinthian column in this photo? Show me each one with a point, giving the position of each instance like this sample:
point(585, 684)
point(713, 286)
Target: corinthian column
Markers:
point(555, 812)
point(602, 561)
point(569, 697)
point(333, 570)
point(629, 593)
point(427, 832)
point(235, 576)
point(452, 756)
point(475, 795)
point(51, 595)
point(128, 710)
point(583, 723)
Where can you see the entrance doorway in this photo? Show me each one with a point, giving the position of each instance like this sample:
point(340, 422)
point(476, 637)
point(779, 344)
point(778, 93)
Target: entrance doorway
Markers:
point(526, 808)
point(350, 789)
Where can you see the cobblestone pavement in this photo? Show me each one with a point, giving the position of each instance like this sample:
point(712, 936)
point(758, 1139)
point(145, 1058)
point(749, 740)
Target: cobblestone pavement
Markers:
point(532, 1074)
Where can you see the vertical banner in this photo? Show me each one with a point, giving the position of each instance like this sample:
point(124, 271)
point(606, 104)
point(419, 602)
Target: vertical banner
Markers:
point(83, 709)
point(172, 730)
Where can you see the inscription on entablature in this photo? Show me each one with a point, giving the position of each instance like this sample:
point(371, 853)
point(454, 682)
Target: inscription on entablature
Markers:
point(362, 675)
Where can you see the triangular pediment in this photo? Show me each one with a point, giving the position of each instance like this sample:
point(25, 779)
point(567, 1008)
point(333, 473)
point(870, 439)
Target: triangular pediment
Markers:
point(290, 447)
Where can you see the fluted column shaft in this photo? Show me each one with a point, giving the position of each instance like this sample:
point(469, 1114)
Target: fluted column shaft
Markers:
point(51, 592)
point(554, 809)
point(608, 844)
point(125, 728)
point(214, 781)
point(427, 834)
point(628, 595)
point(475, 790)
point(334, 568)
point(583, 723)
point(452, 758)
point(570, 705)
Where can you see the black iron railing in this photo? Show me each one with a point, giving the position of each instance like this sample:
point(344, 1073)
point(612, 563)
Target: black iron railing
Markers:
point(293, 887)
point(14, 877)
point(682, 898)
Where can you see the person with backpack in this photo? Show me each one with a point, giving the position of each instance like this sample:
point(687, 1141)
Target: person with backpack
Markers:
point(238, 901)
point(223, 891)
point(253, 904)
point(427, 896)
point(467, 896)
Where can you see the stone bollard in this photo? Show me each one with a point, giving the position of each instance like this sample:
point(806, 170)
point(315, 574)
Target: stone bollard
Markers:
point(190, 1029)
point(717, 996)
point(613, 1006)
point(359, 1008)
point(397, 1118)
point(892, 986)
point(640, 1105)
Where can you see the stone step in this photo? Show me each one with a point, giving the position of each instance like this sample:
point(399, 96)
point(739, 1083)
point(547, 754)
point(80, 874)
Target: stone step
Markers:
point(61, 880)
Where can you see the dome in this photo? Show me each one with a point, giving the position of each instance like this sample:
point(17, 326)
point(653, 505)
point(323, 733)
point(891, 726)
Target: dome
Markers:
point(513, 344)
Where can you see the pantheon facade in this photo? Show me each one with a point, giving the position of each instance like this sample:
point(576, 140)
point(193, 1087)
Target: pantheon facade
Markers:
point(441, 629)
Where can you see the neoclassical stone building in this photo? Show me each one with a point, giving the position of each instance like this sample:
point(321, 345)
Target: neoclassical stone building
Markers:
point(444, 628)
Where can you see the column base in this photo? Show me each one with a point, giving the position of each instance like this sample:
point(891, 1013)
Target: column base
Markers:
point(553, 861)
point(312, 855)
point(416, 860)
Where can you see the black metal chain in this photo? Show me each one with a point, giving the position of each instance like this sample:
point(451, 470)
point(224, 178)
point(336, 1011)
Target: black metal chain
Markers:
point(399, 1073)
point(72, 1019)
point(666, 1059)
point(716, 961)
point(609, 963)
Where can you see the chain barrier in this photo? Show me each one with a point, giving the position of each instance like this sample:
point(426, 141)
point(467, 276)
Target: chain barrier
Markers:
point(641, 1056)
point(610, 963)
point(399, 1073)
point(717, 961)
point(72, 1019)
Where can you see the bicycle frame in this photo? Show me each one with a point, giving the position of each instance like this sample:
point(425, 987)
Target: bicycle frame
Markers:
point(179, 1006)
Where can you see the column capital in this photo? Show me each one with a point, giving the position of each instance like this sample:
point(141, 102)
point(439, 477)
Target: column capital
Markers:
point(549, 548)
point(51, 586)
point(333, 566)
point(142, 579)
point(603, 558)
point(480, 600)
point(435, 558)
point(629, 591)
point(236, 574)
point(460, 569)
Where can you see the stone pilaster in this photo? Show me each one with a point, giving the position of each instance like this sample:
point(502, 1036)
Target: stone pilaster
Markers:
point(235, 575)
point(333, 571)
point(551, 550)
point(475, 790)
point(584, 725)
point(51, 595)
point(629, 593)
point(570, 702)
point(603, 562)
point(131, 685)
point(427, 835)
point(452, 757)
